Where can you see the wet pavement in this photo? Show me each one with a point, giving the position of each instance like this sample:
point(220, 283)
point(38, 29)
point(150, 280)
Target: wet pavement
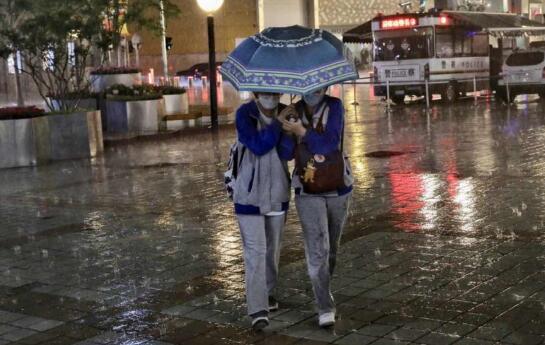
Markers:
point(444, 244)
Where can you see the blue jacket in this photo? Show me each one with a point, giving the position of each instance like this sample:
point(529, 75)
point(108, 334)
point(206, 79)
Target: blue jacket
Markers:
point(327, 142)
point(263, 182)
point(261, 141)
point(330, 140)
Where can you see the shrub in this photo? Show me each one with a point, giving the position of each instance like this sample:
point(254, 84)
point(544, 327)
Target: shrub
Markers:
point(120, 92)
point(15, 113)
point(75, 95)
point(115, 70)
point(170, 90)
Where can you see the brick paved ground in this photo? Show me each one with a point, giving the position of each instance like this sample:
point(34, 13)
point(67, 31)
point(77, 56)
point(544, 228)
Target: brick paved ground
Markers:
point(444, 242)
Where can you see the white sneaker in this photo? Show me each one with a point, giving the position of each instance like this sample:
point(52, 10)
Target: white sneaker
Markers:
point(327, 319)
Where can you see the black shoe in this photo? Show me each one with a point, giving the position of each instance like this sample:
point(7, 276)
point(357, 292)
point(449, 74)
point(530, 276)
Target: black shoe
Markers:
point(273, 304)
point(260, 322)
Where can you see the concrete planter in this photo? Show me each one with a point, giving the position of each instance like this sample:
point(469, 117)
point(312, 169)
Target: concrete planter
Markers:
point(101, 82)
point(176, 104)
point(35, 141)
point(75, 135)
point(136, 117)
point(20, 142)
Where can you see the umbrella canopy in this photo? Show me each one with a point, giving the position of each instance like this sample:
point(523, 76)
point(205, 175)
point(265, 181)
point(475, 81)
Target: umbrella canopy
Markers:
point(294, 59)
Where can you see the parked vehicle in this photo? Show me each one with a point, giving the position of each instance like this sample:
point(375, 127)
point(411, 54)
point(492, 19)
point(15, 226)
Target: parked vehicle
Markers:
point(450, 53)
point(198, 70)
point(412, 48)
point(523, 72)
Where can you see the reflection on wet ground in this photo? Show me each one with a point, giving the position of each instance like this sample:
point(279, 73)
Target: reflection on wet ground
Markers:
point(139, 246)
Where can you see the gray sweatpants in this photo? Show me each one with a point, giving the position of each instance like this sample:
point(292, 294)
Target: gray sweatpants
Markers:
point(322, 219)
point(261, 243)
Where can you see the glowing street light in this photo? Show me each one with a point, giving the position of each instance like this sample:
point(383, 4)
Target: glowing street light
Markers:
point(211, 6)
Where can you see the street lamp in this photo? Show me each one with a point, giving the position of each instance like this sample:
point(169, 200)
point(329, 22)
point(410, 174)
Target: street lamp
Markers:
point(136, 40)
point(211, 6)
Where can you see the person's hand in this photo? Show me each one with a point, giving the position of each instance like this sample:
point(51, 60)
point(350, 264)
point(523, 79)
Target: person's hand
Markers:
point(287, 113)
point(296, 127)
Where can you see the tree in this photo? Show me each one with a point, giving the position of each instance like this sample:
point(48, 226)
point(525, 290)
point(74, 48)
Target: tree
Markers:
point(12, 14)
point(55, 37)
point(142, 14)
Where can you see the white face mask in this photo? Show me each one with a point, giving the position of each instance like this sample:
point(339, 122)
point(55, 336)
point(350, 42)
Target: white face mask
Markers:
point(313, 99)
point(268, 102)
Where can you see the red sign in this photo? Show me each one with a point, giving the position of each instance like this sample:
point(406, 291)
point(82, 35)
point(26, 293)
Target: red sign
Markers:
point(443, 21)
point(398, 23)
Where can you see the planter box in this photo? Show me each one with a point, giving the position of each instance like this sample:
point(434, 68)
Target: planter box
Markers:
point(138, 117)
point(86, 103)
point(21, 140)
point(176, 104)
point(101, 82)
point(35, 141)
point(76, 135)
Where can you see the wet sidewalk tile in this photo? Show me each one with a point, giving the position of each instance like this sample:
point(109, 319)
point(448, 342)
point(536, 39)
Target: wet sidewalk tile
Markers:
point(444, 241)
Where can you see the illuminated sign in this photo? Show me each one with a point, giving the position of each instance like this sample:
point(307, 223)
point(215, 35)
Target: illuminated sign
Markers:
point(398, 23)
point(443, 21)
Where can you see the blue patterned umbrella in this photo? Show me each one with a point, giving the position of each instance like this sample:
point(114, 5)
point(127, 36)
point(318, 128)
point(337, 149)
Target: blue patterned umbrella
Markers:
point(294, 60)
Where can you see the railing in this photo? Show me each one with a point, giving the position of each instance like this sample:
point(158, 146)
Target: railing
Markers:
point(426, 82)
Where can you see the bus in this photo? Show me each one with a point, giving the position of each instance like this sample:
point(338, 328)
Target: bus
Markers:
point(410, 49)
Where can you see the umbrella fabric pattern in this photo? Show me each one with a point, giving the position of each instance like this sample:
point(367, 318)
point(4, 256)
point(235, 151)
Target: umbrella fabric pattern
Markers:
point(294, 60)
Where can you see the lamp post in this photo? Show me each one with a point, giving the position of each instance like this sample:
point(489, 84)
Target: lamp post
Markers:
point(123, 46)
point(211, 6)
point(163, 39)
point(136, 41)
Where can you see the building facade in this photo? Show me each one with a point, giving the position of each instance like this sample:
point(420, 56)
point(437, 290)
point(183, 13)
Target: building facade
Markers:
point(238, 19)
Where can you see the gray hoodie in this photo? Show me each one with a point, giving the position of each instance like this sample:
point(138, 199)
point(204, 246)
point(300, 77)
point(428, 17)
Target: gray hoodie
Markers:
point(263, 183)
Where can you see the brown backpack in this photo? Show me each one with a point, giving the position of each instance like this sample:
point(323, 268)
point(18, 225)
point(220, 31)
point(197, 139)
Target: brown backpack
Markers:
point(319, 173)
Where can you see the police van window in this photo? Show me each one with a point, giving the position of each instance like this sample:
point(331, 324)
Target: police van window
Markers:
point(525, 58)
point(480, 45)
point(404, 44)
point(460, 43)
point(444, 43)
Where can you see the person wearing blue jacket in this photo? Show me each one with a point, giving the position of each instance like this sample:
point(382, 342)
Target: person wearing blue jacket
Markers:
point(261, 195)
point(322, 215)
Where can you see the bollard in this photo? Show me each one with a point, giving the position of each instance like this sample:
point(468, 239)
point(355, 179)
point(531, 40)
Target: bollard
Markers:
point(355, 101)
point(390, 128)
point(428, 122)
point(388, 94)
point(507, 91)
point(427, 94)
point(475, 88)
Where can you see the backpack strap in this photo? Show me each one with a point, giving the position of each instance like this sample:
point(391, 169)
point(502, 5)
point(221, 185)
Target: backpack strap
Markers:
point(342, 137)
point(320, 125)
point(301, 110)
